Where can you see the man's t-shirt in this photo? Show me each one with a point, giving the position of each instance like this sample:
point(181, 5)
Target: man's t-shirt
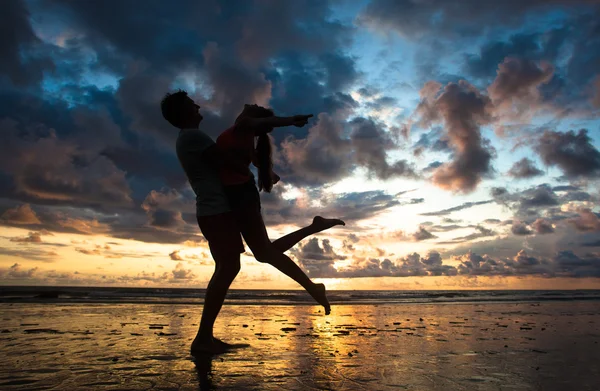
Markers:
point(204, 179)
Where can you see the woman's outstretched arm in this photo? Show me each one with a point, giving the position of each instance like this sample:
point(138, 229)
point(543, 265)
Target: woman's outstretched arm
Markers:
point(274, 122)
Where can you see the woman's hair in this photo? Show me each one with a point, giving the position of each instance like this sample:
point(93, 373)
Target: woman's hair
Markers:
point(264, 158)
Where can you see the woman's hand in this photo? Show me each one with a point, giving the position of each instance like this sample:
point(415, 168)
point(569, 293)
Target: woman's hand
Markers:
point(301, 120)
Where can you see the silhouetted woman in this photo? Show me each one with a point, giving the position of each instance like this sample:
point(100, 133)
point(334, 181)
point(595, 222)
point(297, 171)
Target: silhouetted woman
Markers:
point(242, 193)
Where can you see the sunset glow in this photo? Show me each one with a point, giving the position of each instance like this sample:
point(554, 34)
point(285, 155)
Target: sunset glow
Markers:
point(459, 158)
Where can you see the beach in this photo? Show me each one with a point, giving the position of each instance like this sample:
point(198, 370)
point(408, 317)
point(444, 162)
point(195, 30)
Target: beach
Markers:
point(552, 345)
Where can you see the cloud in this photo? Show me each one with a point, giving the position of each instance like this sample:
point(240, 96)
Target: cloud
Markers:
point(463, 110)
point(30, 253)
point(32, 237)
point(95, 251)
point(492, 53)
point(15, 271)
point(50, 170)
point(164, 209)
point(572, 152)
point(360, 205)
point(20, 214)
point(524, 168)
point(481, 233)
point(175, 256)
point(521, 229)
point(540, 196)
point(324, 156)
point(423, 234)
point(543, 226)
point(181, 273)
point(21, 70)
point(440, 19)
point(370, 143)
point(466, 205)
point(515, 92)
point(317, 260)
point(596, 92)
point(587, 221)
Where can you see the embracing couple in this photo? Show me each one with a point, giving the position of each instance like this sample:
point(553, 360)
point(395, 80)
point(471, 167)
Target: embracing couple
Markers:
point(228, 203)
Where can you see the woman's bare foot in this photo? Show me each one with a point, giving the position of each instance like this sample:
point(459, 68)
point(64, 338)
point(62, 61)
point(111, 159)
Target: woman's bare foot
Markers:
point(320, 295)
point(321, 223)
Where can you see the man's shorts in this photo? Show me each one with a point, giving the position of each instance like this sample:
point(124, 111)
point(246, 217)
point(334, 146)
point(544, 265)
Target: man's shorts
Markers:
point(221, 231)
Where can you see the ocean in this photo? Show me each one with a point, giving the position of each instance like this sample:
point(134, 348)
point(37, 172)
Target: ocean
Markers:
point(108, 295)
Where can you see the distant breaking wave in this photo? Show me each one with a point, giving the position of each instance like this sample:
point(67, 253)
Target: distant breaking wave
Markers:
point(279, 297)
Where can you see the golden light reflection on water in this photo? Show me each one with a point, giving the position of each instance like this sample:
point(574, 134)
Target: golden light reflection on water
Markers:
point(385, 347)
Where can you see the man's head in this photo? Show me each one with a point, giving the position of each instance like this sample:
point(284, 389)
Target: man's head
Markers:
point(180, 110)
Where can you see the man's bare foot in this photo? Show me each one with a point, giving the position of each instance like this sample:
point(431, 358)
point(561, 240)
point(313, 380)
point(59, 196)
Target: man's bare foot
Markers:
point(223, 345)
point(320, 295)
point(201, 346)
point(322, 223)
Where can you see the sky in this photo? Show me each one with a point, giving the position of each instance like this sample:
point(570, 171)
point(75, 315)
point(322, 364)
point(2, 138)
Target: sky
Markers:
point(458, 140)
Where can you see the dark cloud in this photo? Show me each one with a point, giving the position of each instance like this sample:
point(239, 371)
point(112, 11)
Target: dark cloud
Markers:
point(423, 234)
point(541, 196)
point(411, 265)
point(492, 53)
point(324, 156)
point(521, 229)
point(481, 232)
point(462, 109)
point(23, 56)
point(416, 19)
point(370, 144)
point(517, 82)
point(477, 265)
point(175, 256)
point(46, 169)
point(572, 152)
point(524, 168)
point(543, 226)
point(432, 166)
point(587, 221)
point(361, 205)
point(466, 205)
point(565, 188)
point(316, 260)
point(596, 92)
point(568, 264)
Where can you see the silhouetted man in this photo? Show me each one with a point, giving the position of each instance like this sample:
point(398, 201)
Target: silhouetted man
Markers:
point(200, 159)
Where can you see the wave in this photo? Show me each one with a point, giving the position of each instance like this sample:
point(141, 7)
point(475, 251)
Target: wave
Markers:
point(278, 297)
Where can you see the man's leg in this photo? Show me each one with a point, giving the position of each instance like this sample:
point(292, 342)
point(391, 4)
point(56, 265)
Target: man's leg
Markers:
point(226, 269)
point(224, 241)
point(319, 224)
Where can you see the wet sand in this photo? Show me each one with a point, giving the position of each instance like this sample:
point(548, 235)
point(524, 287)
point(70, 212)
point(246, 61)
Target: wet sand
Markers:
point(491, 346)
